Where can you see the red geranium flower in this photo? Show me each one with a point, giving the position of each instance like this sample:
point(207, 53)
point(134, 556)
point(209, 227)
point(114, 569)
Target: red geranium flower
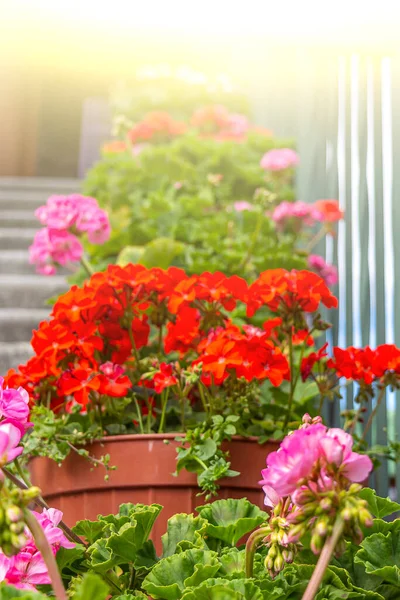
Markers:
point(307, 364)
point(329, 209)
point(79, 383)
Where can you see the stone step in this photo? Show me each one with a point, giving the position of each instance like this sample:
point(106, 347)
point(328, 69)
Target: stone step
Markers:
point(19, 218)
point(29, 193)
point(12, 355)
point(15, 262)
point(30, 291)
point(40, 183)
point(17, 324)
point(12, 238)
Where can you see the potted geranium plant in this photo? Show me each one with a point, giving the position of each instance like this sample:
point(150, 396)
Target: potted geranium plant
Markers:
point(211, 191)
point(320, 540)
point(137, 354)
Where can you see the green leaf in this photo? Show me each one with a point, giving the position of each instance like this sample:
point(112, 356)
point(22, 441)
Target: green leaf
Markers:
point(91, 586)
point(183, 532)
point(130, 255)
point(161, 252)
point(173, 574)
point(232, 563)
point(379, 507)
point(101, 557)
point(134, 596)
point(66, 556)
point(89, 530)
point(8, 592)
point(229, 520)
point(379, 554)
point(219, 589)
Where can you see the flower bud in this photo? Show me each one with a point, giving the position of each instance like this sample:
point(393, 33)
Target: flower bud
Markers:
point(296, 517)
point(269, 563)
point(357, 534)
point(340, 548)
point(32, 493)
point(316, 543)
point(321, 528)
point(279, 563)
point(365, 517)
point(17, 527)
point(288, 556)
point(273, 551)
point(346, 514)
point(326, 504)
point(303, 496)
point(296, 532)
point(355, 488)
point(14, 514)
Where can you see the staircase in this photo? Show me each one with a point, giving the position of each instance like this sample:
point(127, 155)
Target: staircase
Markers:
point(22, 292)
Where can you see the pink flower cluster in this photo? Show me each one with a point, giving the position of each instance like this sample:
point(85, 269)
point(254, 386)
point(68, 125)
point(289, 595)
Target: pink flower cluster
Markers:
point(14, 414)
point(279, 159)
point(329, 273)
point(310, 453)
point(66, 218)
point(27, 569)
point(291, 216)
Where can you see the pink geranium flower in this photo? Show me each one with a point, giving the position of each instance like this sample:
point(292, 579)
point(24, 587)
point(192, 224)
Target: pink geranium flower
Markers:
point(314, 448)
point(14, 404)
point(53, 247)
point(27, 569)
point(242, 205)
point(328, 272)
point(49, 519)
point(66, 217)
point(279, 159)
point(292, 216)
point(10, 436)
point(336, 447)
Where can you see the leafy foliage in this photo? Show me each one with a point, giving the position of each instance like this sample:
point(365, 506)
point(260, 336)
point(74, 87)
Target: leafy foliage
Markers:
point(166, 208)
point(200, 560)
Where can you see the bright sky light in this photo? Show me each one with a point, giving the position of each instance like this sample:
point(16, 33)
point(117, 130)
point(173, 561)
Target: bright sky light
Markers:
point(306, 19)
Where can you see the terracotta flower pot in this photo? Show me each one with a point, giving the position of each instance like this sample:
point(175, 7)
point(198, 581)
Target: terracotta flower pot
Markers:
point(144, 474)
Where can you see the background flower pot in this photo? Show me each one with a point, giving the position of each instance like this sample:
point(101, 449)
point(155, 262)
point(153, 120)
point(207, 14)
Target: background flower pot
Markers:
point(145, 464)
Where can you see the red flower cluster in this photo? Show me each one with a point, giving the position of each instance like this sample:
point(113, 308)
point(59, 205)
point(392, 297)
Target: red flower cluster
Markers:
point(91, 347)
point(365, 365)
point(291, 291)
point(216, 121)
point(157, 125)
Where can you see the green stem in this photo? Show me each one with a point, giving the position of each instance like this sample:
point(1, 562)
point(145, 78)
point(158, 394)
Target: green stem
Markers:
point(160, 339)
point(87, 266)
point(21, 473)
point(202, 398)
point(251, 547)
point(253, 241)
point(321, 403)
point(132, 340)
point(317, 238)
point(291, 393)
point(324, 560)
point(373, 413)
point(139, 414)
point(201, 463)
point(164, 399)
point(47, 554)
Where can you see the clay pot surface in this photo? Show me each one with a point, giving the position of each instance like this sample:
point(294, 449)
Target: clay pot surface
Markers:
point(145, 466)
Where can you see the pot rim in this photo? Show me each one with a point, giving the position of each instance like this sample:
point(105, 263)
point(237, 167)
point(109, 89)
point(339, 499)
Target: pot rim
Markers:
point(169, 436)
